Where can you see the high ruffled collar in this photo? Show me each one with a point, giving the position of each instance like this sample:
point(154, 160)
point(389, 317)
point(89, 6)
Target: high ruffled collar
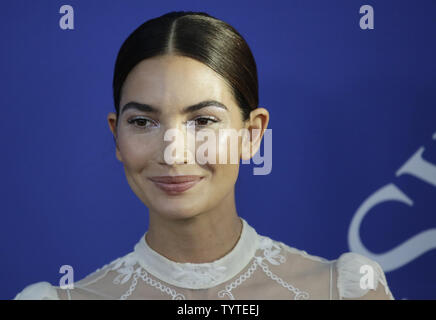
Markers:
point(200, 275)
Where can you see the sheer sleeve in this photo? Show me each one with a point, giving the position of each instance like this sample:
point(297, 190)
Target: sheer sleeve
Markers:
point(38, 291)
point(360, 278)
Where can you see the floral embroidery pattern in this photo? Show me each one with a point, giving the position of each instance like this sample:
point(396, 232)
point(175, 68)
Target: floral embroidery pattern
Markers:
point(126, 270)
point(271, 254)
point(199, 276)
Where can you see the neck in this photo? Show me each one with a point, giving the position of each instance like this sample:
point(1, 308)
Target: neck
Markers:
point(203, 238)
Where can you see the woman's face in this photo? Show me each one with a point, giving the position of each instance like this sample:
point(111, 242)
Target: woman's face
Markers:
point(169, 84)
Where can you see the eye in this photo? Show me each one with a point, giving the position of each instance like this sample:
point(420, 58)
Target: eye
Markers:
point(204, 121)
point(141, 122)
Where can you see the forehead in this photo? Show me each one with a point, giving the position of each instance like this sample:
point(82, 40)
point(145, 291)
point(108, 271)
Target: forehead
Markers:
point(173, 81)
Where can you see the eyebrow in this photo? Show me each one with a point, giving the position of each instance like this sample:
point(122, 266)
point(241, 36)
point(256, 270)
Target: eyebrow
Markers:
point(148, 108)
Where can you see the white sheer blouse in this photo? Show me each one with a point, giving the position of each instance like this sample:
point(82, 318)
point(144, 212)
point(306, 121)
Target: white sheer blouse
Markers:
point(256, 268)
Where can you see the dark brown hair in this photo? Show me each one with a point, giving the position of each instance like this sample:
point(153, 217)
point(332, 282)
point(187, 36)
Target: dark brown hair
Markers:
point(199, 36)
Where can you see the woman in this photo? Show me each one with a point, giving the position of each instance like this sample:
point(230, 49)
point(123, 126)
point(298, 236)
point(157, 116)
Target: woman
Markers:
point(192, 72)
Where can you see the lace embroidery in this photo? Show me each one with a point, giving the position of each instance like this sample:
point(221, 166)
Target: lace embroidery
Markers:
point(237, 282)
point(198, 276)
point(271, 254)
point(299, 295)
point(161, 287)
point(125, 268)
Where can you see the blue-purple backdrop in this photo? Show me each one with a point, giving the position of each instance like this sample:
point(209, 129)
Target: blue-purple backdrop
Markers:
point(349, 108)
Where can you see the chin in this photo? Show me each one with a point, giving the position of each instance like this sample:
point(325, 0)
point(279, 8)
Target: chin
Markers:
point(176, 209)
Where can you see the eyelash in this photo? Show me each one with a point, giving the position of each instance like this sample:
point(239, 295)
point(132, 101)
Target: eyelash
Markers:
point(134, 121)
point(213, 119)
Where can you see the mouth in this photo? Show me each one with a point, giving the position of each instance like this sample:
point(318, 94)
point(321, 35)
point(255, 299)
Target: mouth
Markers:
point(176, 184)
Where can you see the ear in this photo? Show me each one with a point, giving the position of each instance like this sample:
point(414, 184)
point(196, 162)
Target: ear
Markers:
point(256, 126)
point(112, 121)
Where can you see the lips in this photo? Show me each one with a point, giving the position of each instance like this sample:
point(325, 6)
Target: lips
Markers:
point(176, 184)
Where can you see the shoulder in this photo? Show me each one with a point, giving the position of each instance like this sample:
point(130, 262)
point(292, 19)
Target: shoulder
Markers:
point(299, 263)
point(299, 256)
point(107, 282)
point(38, 291)
point(350, 276)
point(307, 275)
point(302, 254)
point(361, 278)
point(95, 285)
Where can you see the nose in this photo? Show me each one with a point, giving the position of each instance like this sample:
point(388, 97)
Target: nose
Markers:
point(178, 145)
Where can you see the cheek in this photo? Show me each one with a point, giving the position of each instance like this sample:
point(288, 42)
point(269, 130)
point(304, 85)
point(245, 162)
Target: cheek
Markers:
point(223, 180)
point(228, 147)
point(134, 151)
point(221, 146)
point(226, 167)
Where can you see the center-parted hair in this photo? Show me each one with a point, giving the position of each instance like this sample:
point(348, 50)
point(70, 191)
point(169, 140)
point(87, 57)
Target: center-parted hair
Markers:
point(201, 37)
